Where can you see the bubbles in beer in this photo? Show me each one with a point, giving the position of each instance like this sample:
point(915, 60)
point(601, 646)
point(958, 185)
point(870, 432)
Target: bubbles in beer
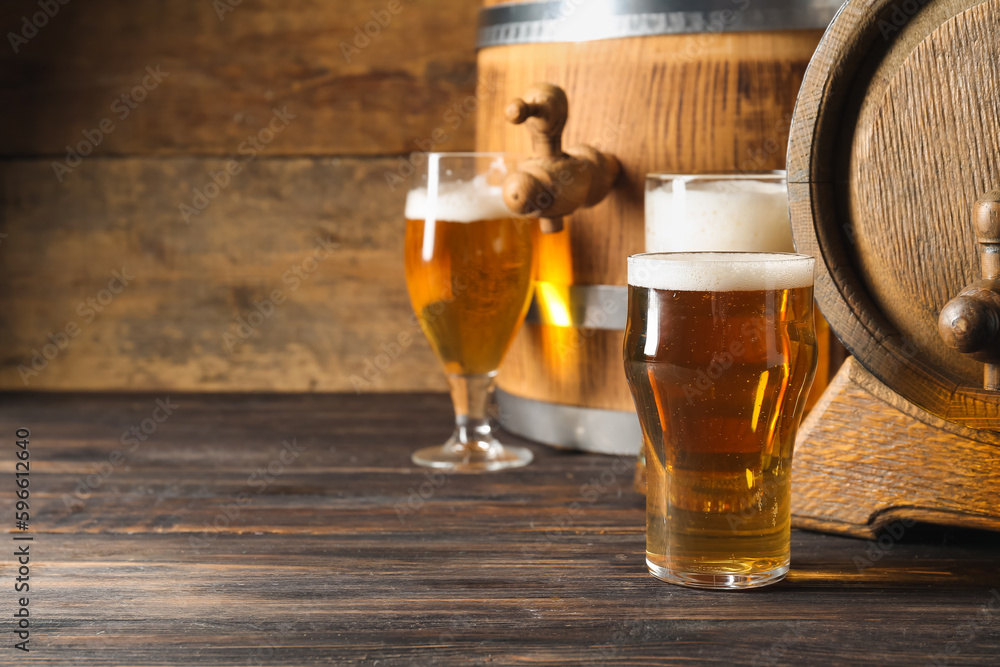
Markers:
point(469, 267)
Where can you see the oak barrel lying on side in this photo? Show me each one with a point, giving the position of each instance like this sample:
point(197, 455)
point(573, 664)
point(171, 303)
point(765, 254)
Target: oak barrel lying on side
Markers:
point(896, 135)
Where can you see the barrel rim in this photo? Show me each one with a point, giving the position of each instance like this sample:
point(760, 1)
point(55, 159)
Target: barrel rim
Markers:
point(817, 186)
point(597, 430)
point(549, 21)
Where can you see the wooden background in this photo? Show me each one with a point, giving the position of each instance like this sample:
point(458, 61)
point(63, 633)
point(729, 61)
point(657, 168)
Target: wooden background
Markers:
point(324, 175)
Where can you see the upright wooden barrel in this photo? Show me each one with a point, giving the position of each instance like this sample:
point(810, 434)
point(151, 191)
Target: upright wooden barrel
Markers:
point(676, 86)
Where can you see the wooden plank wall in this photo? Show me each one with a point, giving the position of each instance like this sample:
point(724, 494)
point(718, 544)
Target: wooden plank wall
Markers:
point(170, 94)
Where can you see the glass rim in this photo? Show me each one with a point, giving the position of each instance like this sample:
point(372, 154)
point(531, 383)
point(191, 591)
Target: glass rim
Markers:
point(721, 271)
point(725, 256)
point(447, 154)
point(772, 174)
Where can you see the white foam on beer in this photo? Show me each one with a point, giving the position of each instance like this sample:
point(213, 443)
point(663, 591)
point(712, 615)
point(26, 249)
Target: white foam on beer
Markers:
point(720, 271)
point(458, 202)
point(718, 215)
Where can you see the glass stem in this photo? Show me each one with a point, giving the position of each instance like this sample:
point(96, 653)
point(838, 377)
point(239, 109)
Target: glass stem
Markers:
point(470, 395)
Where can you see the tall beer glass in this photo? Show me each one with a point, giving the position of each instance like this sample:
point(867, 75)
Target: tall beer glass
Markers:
point(469, 270)
point(720, 351)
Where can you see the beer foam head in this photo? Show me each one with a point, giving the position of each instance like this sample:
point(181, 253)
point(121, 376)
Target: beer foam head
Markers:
point(458, 202)
point(723, 215)
point(720, 271)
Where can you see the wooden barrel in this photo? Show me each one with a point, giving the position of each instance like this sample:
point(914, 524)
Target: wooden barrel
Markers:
point(896, 136)
point(676, 86)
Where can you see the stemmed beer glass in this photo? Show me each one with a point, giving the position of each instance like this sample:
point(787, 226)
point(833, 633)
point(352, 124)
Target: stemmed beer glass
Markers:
point(469, 270)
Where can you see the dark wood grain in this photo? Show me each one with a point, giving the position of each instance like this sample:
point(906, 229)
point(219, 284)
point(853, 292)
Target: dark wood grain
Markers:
point(177, 325)
point(328, 564)
point(229, 69)
point(197, 272)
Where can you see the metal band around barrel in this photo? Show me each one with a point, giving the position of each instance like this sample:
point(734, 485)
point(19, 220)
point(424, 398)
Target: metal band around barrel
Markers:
point(586, 20)
point(587, 429)
point(579, 306)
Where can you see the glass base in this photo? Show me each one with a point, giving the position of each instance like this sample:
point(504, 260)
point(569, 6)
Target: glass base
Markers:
point(479, 457)
point(720, 580)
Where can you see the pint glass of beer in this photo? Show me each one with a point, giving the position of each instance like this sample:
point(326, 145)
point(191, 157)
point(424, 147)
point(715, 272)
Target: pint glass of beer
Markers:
point(469, 269)
point(745, 211)
point(720, 351)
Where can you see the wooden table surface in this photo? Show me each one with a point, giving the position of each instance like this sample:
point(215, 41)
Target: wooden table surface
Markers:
point(183, 549)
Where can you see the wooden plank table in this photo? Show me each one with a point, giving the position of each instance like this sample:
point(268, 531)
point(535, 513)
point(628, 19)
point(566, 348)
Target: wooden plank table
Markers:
point(211, 542)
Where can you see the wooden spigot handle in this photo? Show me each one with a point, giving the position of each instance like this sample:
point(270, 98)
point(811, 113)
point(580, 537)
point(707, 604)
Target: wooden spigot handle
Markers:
point(545, 108)
point(970, 323)
point(986, 217)
point(555, 182)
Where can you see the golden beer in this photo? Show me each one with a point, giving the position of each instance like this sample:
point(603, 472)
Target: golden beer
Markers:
point(472, 292)
point(469, 268)
point(720, 351)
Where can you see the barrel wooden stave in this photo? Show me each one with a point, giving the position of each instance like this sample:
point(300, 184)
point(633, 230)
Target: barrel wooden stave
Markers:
point(683, 103)
point(892, 142)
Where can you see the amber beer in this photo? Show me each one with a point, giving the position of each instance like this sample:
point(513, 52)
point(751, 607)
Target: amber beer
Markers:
point(469, 266)
point(720, 351)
